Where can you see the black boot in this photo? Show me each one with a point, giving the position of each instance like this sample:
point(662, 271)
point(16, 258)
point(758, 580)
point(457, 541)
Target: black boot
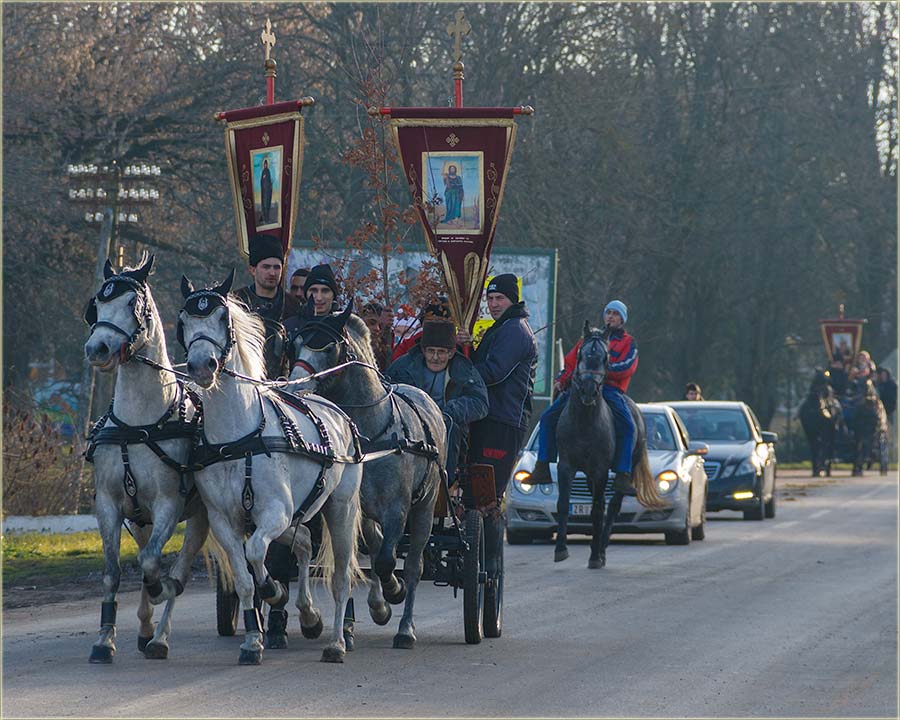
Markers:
point(276, 635)
point(493, 542)
point(623, 484)
point(541, 474)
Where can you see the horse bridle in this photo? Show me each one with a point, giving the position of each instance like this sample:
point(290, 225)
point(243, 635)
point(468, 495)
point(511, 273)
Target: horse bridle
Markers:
point(203, 303)
point(597, 375)
point(310, 329)
point(115, 287)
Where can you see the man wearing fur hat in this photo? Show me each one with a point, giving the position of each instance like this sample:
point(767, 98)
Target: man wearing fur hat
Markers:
point(623, 361)
point(433, 365)
point(267, 298)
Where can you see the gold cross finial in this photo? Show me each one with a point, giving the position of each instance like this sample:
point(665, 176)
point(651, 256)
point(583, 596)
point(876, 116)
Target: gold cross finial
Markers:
point(456, 30)
point(268, 37)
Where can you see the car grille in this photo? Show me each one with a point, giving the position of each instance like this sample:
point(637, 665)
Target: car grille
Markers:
point(712, 469)
point(580, 487)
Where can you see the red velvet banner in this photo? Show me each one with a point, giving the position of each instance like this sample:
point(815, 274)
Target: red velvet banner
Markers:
point(842, 338)
point(455, 161)
point(264, 147)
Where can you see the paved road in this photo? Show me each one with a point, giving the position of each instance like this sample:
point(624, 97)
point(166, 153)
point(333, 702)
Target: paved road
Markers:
point(795, 616)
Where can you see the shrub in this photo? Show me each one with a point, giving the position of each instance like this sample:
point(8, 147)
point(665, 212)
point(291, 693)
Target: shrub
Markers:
point(41, 470)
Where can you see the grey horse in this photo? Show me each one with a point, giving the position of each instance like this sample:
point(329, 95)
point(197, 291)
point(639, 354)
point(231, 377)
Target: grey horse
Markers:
point(396, 489)
point(148, 414)
point(587, 441)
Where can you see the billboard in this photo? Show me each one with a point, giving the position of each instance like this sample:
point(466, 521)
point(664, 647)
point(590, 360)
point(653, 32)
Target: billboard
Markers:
point(536, 269)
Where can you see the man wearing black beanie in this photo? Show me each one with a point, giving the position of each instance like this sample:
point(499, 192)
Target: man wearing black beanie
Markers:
point(322, 287)
point(506, 359)
point(273, 305)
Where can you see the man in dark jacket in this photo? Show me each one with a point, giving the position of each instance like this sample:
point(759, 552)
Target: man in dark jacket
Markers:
point(450, 379)
point(267, 298)
point(506, 359)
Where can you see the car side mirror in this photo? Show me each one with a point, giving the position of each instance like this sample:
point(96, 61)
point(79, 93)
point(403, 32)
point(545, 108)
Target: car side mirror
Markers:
point(698, 448)
point(769, 437)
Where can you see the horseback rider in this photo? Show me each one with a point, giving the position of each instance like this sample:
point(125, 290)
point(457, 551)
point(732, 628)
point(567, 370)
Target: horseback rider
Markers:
point(451, 380)
point(266, 298)
point(506, 359)
point(623, 357)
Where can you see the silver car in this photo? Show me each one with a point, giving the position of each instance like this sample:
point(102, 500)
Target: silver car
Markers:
point(676, 462)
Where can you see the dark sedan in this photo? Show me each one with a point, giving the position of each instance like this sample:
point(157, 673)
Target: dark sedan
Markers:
point(741, 462)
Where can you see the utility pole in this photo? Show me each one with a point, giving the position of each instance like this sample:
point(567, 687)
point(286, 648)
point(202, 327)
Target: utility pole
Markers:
point(110, 193)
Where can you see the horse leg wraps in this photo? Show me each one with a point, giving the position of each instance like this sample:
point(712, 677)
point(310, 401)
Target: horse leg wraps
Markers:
point(108, 613)
point(252, 620)
point(153, 588)
point(271, 591)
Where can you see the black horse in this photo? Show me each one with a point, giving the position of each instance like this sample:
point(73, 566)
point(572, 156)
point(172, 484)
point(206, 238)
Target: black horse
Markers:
point(869, 426)
point(587, 441)
point(822, 420)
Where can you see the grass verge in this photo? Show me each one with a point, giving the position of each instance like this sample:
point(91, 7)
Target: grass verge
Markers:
point(57, 556)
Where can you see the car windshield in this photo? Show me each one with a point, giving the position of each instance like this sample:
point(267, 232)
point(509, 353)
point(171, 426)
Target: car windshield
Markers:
point(715, 424)
point(659, 432)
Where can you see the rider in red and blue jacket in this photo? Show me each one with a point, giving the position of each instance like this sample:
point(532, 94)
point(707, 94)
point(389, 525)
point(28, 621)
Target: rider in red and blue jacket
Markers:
point(623, 361)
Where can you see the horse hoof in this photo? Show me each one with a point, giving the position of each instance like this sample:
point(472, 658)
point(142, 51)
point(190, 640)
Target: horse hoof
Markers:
point(313, 631)
point(250, 657)
point(596, 564)
point(333, 654)
point(348, 638)
point(384, 618)
point(399, 596)
point(142, 642)
point(102, 654)
point(156, 651)
point(276, 641)
point(560, 555)
point(404, 642)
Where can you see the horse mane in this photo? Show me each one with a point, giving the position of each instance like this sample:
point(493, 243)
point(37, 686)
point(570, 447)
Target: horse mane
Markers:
point(249, 338)
point(360, 339)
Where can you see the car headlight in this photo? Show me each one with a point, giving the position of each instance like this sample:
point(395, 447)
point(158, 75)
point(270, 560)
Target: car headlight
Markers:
point(520, 480)
point(667, 481)
point(762, 452)
point(747, 465)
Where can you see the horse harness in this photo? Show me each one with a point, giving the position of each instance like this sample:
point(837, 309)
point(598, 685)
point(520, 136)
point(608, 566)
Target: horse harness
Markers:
point(317, 336)
point(168, 427)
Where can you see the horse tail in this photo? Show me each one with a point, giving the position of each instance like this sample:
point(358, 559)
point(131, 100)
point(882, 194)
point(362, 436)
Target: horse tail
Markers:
point(325, 557)
point(645, 484)
point(226, 572)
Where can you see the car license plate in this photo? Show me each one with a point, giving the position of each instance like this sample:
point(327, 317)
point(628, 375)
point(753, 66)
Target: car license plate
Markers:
point(580, 509)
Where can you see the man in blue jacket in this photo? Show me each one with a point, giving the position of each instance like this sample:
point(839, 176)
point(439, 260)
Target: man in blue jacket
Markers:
point(449, 378)
point(506, 359)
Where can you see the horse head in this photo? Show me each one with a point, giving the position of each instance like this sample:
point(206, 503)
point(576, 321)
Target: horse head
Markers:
point(120, 316)
point(590, 369)
point(205, 329)
point(320, 343)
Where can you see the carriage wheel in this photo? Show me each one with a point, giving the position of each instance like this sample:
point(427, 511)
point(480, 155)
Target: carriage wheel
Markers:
point(227, 607)
point(493, 601)
point(473, 590)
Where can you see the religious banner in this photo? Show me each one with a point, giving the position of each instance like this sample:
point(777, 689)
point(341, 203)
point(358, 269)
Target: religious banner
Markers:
point(456, 161)
point(842, 337)
point(264, 147)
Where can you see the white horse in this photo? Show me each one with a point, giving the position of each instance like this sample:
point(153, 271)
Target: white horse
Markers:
point(137, 449)
point(270, 466)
